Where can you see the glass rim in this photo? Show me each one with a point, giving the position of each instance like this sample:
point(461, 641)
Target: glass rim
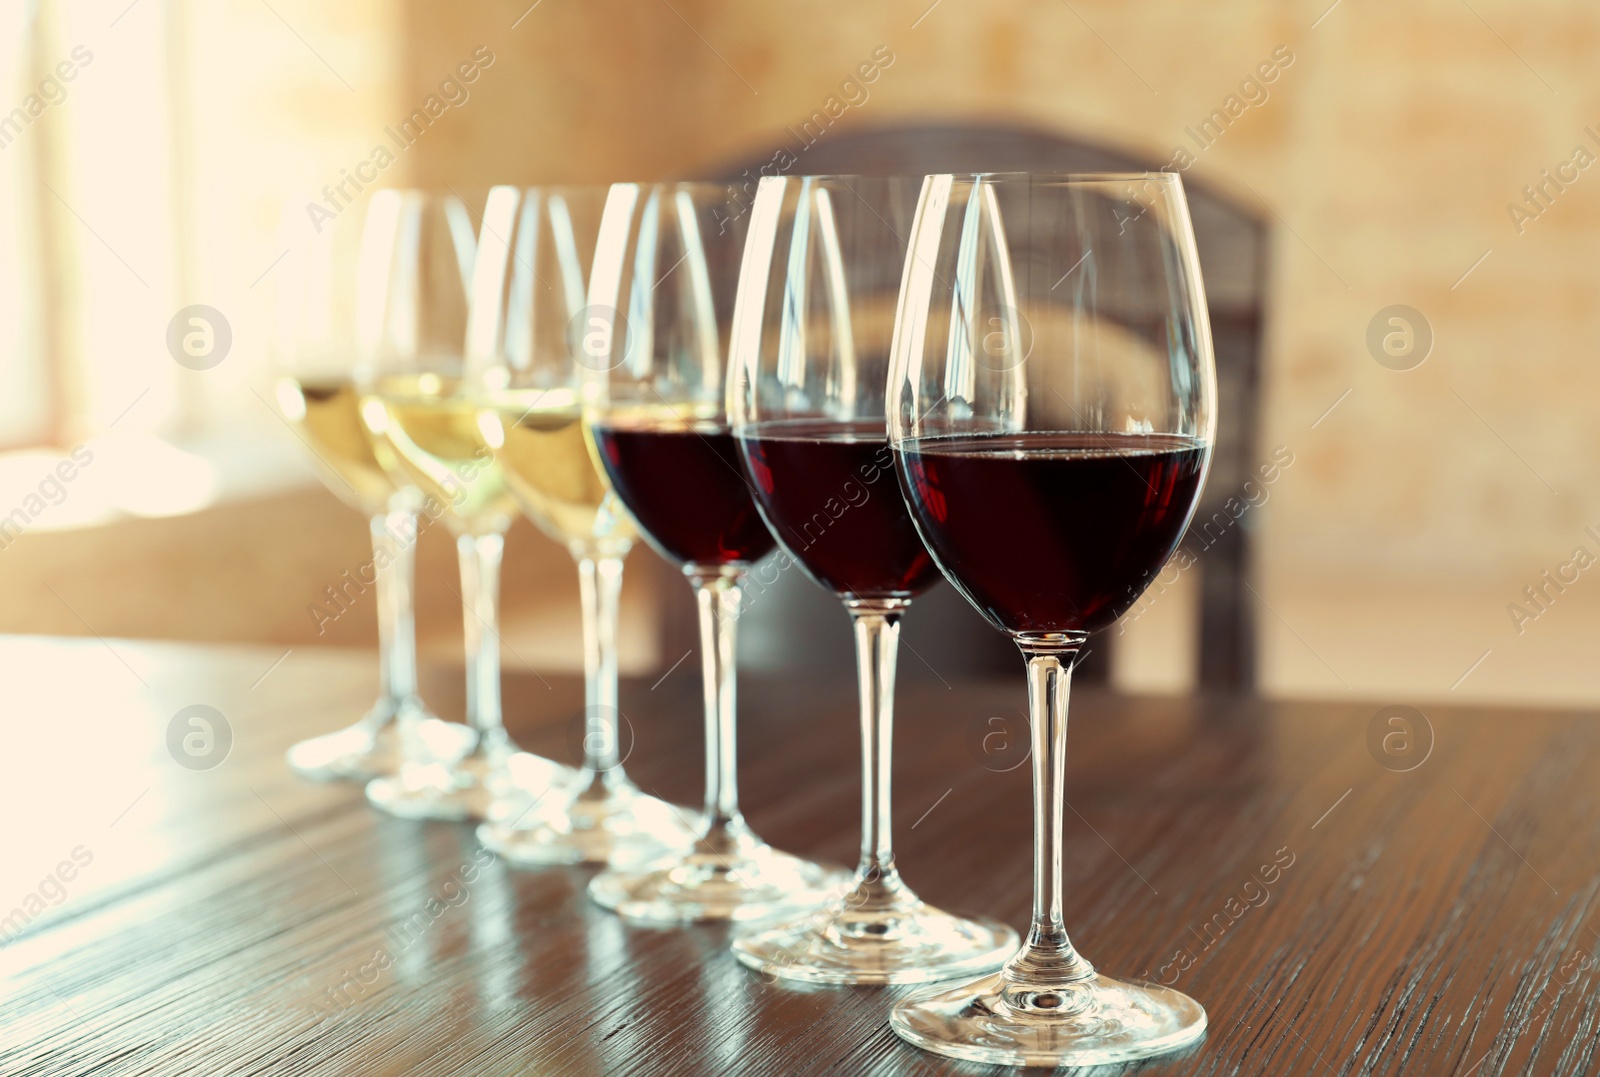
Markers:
point(1065, 178)
point(691, 185)
point(1011, 176)
point(470, 191)
point(548, 188)
point(440, 191)
point(837, 177)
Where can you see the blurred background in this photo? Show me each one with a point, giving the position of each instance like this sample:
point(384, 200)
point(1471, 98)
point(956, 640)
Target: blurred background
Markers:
point(1430, 464)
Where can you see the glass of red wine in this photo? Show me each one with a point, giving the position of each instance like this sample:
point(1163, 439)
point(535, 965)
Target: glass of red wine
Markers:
point(1051, 411)
point(810, 361)
point(660, 295)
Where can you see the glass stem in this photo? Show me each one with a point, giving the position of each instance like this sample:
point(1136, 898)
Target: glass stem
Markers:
point(480, 594)
point(600, 582)
point(717, 593)
point(877, 629)
point(1047, 959)
point(394, 538)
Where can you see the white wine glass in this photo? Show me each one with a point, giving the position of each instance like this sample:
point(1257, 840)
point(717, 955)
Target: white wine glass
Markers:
point(418, 251)
point(1052, 408)
point(316, 356)
point(523, 347)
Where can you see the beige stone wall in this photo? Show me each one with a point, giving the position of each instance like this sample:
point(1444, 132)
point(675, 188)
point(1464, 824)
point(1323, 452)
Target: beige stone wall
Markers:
point(1386, 154)
point(1388, 150)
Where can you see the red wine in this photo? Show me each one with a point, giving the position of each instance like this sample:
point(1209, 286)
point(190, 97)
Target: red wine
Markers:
point(829, 493)
point(686, 487)
point(1052, 532)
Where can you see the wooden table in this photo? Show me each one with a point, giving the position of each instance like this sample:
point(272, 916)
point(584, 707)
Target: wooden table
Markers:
point(1438, 920)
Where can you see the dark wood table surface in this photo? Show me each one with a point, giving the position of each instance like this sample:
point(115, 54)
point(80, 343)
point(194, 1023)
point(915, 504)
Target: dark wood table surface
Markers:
point(1437, 920)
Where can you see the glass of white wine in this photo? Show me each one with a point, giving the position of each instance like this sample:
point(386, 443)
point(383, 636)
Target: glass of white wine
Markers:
point(316, 354)
point(524, 345)
point(416, 265)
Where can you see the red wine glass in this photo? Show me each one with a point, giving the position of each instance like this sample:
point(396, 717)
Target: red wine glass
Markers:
point(1051, 412)
point(660, 295)
point(810, 361)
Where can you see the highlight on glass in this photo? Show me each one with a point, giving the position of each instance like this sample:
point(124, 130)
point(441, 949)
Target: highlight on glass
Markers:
point(660, 298)
point(809, 364)
point(523, 349)
point(1051, 412)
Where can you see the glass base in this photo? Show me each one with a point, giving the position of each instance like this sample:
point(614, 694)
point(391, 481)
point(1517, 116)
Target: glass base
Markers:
point(533, 777)
point(735, 877)
point(465, 789)
point(877, 934)
point(599, 825)
point(371, 747)
point(1087, 1023)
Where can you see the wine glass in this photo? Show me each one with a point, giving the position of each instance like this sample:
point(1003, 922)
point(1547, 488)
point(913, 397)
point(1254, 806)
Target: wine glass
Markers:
point(810, 361)
point(418, 251)
point(316, 354)
point(534, 251)
point(665, 268)
point(1051, 412)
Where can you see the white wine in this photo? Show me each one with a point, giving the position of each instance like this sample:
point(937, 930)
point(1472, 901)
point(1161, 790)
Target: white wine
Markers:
point(439, 448)
point(539, 440)
point(327, 414)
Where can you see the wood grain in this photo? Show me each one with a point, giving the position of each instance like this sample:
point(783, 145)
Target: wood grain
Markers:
point(1436, 921)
